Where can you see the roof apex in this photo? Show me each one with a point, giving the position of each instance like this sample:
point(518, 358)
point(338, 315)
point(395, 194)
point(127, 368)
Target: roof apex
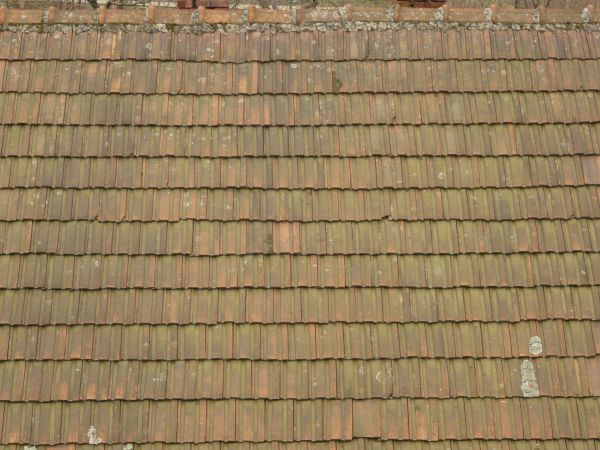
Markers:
point(154, 15)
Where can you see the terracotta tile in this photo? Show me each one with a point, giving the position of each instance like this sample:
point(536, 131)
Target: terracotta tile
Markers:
point(406, 222)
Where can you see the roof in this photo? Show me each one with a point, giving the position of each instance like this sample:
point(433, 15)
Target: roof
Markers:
point(341, 234)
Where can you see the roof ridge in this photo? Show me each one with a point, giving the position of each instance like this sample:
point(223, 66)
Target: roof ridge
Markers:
point(155, 15)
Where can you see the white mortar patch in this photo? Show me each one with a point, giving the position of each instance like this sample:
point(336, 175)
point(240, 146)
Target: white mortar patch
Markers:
point(487, 14)
point(529, 384)
point(92, 435)
point(535, 345)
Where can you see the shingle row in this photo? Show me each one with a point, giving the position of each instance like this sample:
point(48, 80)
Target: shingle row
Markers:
point(336, 45)
point(201, 78)
point(299, 341)
point(300, 110)
point(277, 271)
point(246, 379)
point(206, 238)
point(297, 305)
point(296, 420)
point(374, 172)
point(298, 205)
point(355, 444)
point(345, 141)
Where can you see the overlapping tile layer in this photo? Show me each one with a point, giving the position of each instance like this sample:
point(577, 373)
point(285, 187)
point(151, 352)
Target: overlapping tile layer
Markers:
point(310, 239)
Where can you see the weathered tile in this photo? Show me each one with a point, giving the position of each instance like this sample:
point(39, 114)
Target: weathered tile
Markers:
point(415, 221)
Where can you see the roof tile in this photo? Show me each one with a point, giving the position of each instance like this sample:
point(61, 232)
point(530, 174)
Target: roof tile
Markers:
point(343, 239)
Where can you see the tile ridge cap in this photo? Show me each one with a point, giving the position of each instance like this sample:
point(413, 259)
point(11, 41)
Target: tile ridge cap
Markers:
point(155, 15)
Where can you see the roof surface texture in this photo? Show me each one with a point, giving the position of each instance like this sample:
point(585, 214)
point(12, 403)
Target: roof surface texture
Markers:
point(300, 239)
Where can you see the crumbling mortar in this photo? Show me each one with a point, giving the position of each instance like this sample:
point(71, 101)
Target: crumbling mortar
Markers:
point(390, 14)
point(161, 27)
point(585, 15)
point(488, 14)
point(345, 14)
point(273, 27)
point(294, 14)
